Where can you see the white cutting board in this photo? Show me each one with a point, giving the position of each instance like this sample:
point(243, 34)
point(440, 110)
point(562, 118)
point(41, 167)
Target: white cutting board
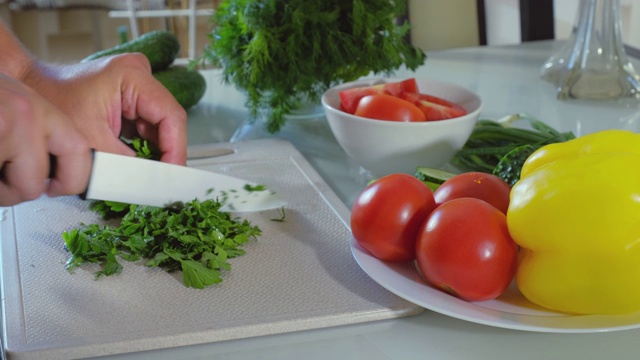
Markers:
point(298, 275)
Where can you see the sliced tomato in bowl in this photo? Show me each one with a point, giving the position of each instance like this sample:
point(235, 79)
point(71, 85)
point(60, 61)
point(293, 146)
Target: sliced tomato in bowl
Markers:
point(349, 98)
point(388, 107)
point(434, 108)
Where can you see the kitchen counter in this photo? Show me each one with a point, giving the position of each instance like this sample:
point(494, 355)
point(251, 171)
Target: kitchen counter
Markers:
point(507, 80)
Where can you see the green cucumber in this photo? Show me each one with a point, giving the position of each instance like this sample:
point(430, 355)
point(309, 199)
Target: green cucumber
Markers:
point(432, 186)
point(431, 175)
point(510, 165)
point(160, 47)
point(187, 86)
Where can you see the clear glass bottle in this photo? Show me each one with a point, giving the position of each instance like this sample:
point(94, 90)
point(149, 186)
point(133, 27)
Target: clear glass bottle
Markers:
point(554, 69)
point(598, 67)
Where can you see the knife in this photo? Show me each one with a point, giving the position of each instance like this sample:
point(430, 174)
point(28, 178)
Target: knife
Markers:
point(141, 181)
point(204, 151)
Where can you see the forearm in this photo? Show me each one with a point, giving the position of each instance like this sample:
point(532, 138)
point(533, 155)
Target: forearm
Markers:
point(15, 60)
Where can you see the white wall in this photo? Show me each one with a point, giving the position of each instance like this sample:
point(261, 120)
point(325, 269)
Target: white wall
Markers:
point(566, 15)
point(441, 24)
point(630, 19)
point(502, 21)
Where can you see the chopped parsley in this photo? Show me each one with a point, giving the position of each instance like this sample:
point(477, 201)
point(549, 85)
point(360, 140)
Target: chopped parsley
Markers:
point(249, 187)
point(197, 239)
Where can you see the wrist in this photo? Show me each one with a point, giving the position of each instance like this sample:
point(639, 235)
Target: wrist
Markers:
point(15, 60)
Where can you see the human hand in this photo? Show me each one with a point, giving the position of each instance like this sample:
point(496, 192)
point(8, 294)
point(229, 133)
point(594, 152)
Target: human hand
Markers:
point(106, 96)
point(30, 130)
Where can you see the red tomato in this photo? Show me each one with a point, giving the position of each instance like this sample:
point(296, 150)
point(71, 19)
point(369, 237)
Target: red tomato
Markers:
point(479, 185)
point(388, 107)
point(434, 108)
point(465, 249)
point(349, 98)
point(388, 214)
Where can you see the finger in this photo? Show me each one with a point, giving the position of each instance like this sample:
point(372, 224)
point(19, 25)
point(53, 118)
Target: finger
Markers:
point(128, 129)
point(70, 148)
point(147, 99)
point(73, 163)
point(23, 154)
point(23, 177)
point(113, 145)
point(147, 130)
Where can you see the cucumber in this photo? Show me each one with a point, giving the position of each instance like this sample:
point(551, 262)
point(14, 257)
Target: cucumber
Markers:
point(160, 47)
point(510, 165)
point(433, 176)
point(432, 186)
point(187, 86)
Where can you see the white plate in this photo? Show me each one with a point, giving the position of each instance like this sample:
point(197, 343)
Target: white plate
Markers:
point(511, 310)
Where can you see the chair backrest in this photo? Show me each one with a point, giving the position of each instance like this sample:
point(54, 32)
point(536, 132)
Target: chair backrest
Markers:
point(536, 20)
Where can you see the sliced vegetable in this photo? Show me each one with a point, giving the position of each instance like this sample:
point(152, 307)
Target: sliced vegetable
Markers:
point(197, 239)
point(349, 98)
point(432, 175)
point(434, 108)
point(388, 107)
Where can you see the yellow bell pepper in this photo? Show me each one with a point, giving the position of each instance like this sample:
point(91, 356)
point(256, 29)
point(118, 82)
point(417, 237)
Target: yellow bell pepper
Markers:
point(575, 212)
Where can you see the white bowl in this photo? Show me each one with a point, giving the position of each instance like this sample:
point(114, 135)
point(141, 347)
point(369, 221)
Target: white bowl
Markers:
point(385, 147)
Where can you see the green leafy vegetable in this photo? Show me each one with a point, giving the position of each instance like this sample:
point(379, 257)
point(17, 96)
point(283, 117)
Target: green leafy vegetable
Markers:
point(112, 209)
point(249, 187)
point(510, 166)
point(283, 52)
point(109, 209)
point(143, 148)
point(282, 214)
point(197, 239)
point(491, 140)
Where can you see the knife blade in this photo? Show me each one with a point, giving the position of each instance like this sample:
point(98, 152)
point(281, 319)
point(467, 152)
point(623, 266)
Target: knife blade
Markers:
point(149, 182)
point(204, 151)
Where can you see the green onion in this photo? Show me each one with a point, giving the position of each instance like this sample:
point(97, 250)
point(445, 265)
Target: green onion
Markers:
point(491, 140)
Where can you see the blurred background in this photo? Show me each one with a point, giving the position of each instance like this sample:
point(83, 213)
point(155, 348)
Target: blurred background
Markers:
point(68, 30)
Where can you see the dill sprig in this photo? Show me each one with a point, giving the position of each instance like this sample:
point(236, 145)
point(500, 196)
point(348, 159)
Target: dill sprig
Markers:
point(284, 52)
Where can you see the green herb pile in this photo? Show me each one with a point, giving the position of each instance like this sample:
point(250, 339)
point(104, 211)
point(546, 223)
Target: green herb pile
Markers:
point(500, 148)
point(196, 237)
point(281, 52)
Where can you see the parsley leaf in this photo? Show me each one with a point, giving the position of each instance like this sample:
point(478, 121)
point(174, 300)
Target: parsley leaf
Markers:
point(197, 239)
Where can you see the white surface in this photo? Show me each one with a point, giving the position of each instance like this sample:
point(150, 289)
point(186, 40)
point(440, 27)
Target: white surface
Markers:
point(511, 310)
point(507, 80)
point(385, 147)
point(297, 275)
